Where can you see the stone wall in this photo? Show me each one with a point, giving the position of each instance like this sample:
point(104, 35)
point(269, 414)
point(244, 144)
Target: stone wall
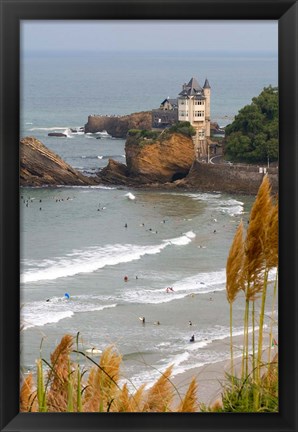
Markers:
point(242, 179)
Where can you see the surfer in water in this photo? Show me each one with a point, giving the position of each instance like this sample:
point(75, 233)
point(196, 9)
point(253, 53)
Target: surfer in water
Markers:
point(192, 339)
point(169, 289)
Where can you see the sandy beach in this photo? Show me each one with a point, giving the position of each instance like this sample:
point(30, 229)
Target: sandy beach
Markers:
point(211, 378)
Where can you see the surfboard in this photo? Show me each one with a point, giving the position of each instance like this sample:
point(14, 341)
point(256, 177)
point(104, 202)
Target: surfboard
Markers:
point(93, 351)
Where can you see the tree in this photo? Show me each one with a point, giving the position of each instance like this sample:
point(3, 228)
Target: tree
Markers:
point(253, 135)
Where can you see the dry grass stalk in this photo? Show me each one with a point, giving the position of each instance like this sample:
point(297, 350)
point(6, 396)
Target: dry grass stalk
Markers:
point(137, 399)
point(28, 400)
point(270, 377)
point(271, 243)
point(216, 406)
point(189, 403)
point(89, 402)
point(254, 268)
point(254, 263)
point(235, 281)
point(159, 397)
point(234, 268)
point(123, 401)
point(101, 392)
point(59, 376)
point(102, 382)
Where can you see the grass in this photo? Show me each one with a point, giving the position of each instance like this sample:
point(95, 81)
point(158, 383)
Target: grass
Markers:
point(61, 385)
point(64, 385)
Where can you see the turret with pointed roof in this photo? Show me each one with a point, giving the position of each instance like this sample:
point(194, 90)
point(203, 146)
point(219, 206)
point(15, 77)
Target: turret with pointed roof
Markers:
point(206, 85)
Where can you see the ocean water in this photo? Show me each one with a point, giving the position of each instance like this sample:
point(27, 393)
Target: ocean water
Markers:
point(75, 240)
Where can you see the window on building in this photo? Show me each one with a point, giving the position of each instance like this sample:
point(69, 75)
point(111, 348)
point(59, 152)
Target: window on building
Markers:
point(199, 113)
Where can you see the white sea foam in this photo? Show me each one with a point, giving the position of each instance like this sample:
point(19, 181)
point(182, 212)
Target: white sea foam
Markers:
point(103, 134)
point(35, 319)
point(201, 283)
point(40, 313)
point(184, 239)
point(49, 128)
point(89, 187)
point(67, 132)
point(228, 206)
point(130, 196)
point(92, 259)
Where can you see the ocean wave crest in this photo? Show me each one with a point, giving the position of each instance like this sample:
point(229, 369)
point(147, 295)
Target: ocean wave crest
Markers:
point(94, 258)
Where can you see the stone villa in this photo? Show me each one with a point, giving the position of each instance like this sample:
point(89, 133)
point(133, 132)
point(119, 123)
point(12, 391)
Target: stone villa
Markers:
point(193, 105)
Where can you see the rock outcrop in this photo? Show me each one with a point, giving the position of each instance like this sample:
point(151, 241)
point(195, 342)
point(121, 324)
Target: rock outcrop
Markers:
point(39, 166)
point(118, 127)
point(115, 173)
point(163, 160)
point(162, 163)
point(57, 134)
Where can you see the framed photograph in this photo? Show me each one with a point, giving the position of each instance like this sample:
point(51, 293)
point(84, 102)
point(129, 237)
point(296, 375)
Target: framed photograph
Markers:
point(148, 215)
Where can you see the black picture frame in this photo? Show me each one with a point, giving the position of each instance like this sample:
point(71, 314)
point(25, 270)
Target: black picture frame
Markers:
point(12, 11)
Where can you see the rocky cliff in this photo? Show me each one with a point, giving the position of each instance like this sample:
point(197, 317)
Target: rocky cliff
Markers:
point(167, 163)
point(161, 160)
point(118, 126)
point(39, 166)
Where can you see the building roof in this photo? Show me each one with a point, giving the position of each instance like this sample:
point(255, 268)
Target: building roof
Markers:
point(191, 89)
point(173, 102)
point(206, 85)
point(194, 85)
point(199, 96)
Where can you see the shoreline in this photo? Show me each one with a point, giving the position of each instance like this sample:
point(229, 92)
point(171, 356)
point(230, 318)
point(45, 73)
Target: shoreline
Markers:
point(209, 378)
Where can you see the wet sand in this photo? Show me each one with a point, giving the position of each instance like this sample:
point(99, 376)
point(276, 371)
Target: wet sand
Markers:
point(210, 379)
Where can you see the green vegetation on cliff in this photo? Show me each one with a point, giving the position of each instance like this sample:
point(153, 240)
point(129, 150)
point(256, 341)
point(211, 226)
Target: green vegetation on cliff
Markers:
point(184, 128)
point(253, 135)
point(150, 136)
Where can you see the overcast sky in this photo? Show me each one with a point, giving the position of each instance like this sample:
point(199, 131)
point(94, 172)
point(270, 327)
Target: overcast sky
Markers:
point(245, 36)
